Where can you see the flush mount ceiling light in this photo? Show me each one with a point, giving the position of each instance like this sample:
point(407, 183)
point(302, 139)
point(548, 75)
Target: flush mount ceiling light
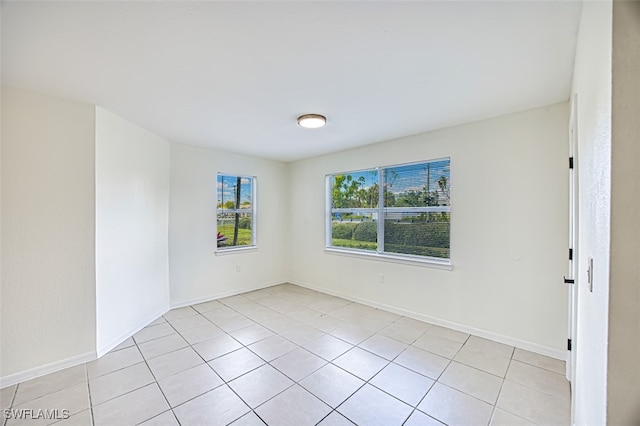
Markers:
point(312, 121)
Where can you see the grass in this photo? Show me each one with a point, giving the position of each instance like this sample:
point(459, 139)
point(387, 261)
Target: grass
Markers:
point(392, 248)
point(244, 235)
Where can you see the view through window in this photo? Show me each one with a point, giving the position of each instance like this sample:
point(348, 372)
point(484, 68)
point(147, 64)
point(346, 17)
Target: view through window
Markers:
point(236, 211)
point(410, 217)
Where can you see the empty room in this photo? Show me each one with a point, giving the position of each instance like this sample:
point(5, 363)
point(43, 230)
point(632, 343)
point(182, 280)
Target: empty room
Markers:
point(320, 213)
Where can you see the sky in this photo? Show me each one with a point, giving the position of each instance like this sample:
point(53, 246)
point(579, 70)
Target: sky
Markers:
point(226, 185)
point(408, 177)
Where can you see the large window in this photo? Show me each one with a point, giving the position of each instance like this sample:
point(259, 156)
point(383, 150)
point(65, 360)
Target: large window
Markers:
point(409, 218)
point(236, 211)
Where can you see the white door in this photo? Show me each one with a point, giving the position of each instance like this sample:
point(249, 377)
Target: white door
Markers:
point(572, 277)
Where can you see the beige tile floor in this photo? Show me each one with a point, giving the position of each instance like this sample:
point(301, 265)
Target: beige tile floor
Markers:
point(286, 355)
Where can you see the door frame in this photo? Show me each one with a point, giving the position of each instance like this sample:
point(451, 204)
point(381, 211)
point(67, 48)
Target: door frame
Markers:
point(573, 242)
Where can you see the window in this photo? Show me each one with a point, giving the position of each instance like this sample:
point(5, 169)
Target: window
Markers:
point(409, 218)
point(236, 211)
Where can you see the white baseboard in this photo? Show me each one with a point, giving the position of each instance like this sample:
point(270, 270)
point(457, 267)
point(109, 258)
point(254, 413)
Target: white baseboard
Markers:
point(105, 348)
point(223, 294)
point(45, 369)
point(518, 343)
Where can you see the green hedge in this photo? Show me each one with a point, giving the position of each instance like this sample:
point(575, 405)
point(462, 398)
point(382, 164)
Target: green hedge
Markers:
point(431, 234)
point(244, 223)
point(418, 251)
point(366, 231)
point(343, 231)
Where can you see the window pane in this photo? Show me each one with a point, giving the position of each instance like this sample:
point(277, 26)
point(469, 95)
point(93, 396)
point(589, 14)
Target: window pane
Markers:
point(417, 185)
point(235, 211)
point(355, 190)
point(354, 230)
point(419, 234)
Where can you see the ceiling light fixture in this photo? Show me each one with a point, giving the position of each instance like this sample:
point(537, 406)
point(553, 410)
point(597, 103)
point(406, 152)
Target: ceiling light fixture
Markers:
point(312, 121)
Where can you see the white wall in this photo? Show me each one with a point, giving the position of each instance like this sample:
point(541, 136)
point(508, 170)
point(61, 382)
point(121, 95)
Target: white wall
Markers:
point(196, 273)
point(508, 234)
point(48, 270)
point(592, 83)
point(623, 375)
point(132, 219)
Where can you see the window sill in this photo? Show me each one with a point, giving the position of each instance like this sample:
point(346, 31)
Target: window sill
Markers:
point(430, 262)
point(235, 250)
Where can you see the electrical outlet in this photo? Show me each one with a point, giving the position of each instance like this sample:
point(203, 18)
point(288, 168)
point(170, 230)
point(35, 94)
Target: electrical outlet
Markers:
point(380, 278)
point(237, 268)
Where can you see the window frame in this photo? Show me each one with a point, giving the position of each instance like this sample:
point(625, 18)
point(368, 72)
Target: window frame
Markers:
point(254, 214)
point(381, 210)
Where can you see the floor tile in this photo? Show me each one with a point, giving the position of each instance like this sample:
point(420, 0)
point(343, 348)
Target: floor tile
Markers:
point(304, 314)
point(402, 333)
point(189, 384)
point(217, 346)
point(471, 381)
point(534, 406)
point(165, 419)
point(351, 312)
point(82, 418)
point(212, 305)
point(220, 315)
point(489, 346)
point(332, 384)
point(327, 323)
point(353, 334)
point(489, 362)
point(178, 313)
point(236, 363)
point(186, 323)
point(163, 345)
point(109, 386)
point(293, 407)
point(404, 384)
point(298, 364)
point(174, 362)
point(302, 334)
point(438, 345)
point(157, 321)
point(361, 363)
point(383, 346)
point(272, 347)
point(537, 360)
point(6, 396)
point(260, 385)
point(447, 333)
point(328, 347)
point(279, 323)
point(418, 418)
point(249, 419)
point(539, 379)
point(131, 408)
point(503, 418)
point(126, 344)
point(251, 334)
point(151, 332)
point(335, 419)
point(74, 399)
point(454, 408)
point(423, 362)
point(233, 323)
point(201, 333)
point(370, 406)
point(218, 407)
point(32, 389)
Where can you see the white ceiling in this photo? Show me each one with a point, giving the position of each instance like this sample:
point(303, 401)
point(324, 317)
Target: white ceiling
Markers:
point(235, 75)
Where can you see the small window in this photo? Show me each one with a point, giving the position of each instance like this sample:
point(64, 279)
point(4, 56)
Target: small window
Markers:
point(409, 218)
point(236, 211)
